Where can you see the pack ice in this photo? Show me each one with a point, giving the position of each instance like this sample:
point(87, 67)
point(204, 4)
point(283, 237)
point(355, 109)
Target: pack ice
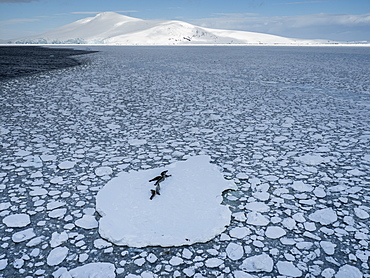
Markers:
point(188, 209)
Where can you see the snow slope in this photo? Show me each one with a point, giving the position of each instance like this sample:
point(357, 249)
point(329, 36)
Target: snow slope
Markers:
point(113, 28)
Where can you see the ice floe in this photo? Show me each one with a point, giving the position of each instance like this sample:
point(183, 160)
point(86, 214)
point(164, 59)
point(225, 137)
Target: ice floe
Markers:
point(17, 220)
point(288, 269)
point(324, 216)
point(258, 263)
point(57, 255)
point(188, 209)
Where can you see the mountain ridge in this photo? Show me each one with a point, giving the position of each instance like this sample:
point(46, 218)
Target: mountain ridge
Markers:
point(115, 29)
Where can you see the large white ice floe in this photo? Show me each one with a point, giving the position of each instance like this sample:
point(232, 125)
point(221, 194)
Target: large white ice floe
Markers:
point(99, 269)
point(188, 209)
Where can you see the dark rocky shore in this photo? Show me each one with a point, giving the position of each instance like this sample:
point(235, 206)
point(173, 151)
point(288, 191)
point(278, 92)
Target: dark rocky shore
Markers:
point(17, 61)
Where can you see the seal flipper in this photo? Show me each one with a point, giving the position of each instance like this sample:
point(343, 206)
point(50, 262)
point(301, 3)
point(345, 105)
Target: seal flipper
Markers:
point(153, 194)
point(156, 178)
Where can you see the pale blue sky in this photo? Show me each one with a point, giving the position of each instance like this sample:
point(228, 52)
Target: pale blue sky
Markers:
point(321, 19)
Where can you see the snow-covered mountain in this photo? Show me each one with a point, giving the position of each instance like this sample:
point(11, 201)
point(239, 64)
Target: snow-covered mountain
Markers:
point(117, 29)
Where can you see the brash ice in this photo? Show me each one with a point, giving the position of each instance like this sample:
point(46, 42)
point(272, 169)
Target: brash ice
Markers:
point(188, 210)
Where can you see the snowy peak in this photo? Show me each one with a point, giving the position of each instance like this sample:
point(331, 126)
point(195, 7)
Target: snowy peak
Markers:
point(114, 28)
point(92, 29)
point(114, 16)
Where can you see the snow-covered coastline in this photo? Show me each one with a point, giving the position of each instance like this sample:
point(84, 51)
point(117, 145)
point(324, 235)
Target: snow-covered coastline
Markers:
point(84, 46)
point(110, 28)
point(289, 126)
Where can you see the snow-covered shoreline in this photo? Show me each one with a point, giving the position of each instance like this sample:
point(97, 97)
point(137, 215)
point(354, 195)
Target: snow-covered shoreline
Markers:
point(195, 45)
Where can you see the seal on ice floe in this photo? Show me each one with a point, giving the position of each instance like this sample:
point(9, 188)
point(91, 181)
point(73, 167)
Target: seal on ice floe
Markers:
point(158, 180)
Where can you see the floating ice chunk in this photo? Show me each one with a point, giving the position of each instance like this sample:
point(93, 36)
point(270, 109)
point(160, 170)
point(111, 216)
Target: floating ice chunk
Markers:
point(139, 261)
point(254, 181)
point(304, 245)
point(130, 276)
point(38, 191)
point(37, 174)
point(288, 269)
point(239, 232)
point(65, 165)
point(175, 261)
point(57, 213)
point(242, 176)
point(22, 153)
point(57, 239)
point(324, 216)
point(348, 271)
point(289, 223)
point(259, 263)
point(356, 172)
point(54, 205)
point(234, 251)
point(257, 219)
point(261, 195)
point(187, 211)
point(214, 262)
point(270, 178)
point(18, 263)
point(106, 270)
point(137, 142)
point(87, 222)
point(178, 154)
point(299, 217)
point(309, 226)
point(301, 186)
point(35, 241)
point(68, 140)
point(3, 264)
point(103, 171)
point(83, 257)
point(328, 247)
point(48, 157)
point(257, 206)
point(4, 131)
point(354, 189)
point(328, 273)
point(242, 274)
point(239, 216)
point(101, 243)
point(279, 139)
point(56, 180)
point(360, 213)
point(275, 232)
point(319, 192)
point(85, 99)
point(187, 254)
point(152, 258)
point(190, 271)
point(311, 159)
point(32, 161)
point(113, 126)
point(149, 274)
point(17, 220)
point(4, 206)
point(57, 255)
point(23, 235)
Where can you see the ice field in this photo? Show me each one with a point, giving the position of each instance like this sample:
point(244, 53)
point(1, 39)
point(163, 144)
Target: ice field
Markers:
point(288, 126)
